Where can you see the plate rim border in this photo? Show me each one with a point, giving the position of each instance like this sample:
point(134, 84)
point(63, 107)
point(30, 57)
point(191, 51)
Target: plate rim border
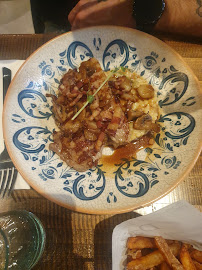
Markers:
point(81, 209)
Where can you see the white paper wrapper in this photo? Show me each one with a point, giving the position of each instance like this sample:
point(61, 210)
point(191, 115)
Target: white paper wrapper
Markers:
point(178, 221)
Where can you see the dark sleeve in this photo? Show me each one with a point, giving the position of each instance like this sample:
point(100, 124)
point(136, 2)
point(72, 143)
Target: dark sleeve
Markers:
point(55, 12)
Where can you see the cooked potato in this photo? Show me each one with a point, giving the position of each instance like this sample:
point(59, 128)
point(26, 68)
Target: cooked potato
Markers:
point(163, 247)
point(186, 259)
point(144, 122)
point(197, 255)
point(157, 253)
point(145, 91)
point(151, 260)
point(140, 242)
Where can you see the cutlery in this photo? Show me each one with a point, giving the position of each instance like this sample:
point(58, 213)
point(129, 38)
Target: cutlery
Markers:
point(8, 172)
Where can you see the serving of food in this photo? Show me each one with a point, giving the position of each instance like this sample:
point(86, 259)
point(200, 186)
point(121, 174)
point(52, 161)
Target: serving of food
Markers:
point(159, 253)
point(93, 110)
point(100, 120)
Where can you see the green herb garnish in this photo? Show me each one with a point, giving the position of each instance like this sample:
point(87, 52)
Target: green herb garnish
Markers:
point(123, 68)
point(90, 98)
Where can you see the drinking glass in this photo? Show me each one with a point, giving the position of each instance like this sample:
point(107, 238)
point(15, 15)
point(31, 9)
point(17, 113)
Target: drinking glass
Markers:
point(22, 240)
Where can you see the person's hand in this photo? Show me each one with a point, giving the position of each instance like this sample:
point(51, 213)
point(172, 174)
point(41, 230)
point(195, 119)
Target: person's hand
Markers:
point(112, 12)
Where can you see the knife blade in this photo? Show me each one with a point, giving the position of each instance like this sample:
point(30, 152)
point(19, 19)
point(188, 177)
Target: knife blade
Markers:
point(5, 160)
point(6, 80)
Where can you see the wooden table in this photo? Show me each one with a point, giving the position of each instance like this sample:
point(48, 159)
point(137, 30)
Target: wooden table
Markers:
point(80, 241)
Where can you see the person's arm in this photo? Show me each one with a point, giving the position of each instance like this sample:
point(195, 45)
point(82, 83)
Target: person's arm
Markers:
point(180, 16)
point(111, 12)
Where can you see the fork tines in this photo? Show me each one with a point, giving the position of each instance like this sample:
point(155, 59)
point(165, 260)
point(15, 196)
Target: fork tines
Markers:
point(7, 180)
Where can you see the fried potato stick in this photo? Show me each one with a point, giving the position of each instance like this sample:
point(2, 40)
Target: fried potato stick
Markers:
point(197, 255)
point(197, 265)
point(140, 242)
point(164, 266)
point(186, 259)
point(153, 259)
point(134, 253)
point(167, 254)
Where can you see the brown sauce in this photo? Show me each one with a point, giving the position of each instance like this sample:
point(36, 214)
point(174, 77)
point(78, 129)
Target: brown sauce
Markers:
point(128, 151)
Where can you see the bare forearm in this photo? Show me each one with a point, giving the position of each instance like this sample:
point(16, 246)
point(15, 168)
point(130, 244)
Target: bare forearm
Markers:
point(181, 16)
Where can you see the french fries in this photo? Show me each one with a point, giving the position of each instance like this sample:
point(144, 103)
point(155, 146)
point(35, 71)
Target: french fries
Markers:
point(196, 255)
point(153, 259)
point(134, 254)
point(171, 260)
point(164, 266)
point(140, 242)
point(185, 259)
point(160, 254)
point(197, 265)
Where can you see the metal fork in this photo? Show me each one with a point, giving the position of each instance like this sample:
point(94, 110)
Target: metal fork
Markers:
point(8, 173)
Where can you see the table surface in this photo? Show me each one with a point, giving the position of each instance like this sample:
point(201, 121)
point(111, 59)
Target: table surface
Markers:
point(81, 241)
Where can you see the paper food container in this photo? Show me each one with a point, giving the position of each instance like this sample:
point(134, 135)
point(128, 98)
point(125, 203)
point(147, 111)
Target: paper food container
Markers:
point(178, 221)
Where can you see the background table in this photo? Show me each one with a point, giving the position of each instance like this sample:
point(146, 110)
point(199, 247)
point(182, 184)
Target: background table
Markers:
point(79, 241)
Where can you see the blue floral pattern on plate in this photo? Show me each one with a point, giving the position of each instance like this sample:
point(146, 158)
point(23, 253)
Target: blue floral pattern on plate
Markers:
point(132, 179)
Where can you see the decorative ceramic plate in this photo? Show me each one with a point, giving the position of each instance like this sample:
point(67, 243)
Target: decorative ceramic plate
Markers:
point(28, 122)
